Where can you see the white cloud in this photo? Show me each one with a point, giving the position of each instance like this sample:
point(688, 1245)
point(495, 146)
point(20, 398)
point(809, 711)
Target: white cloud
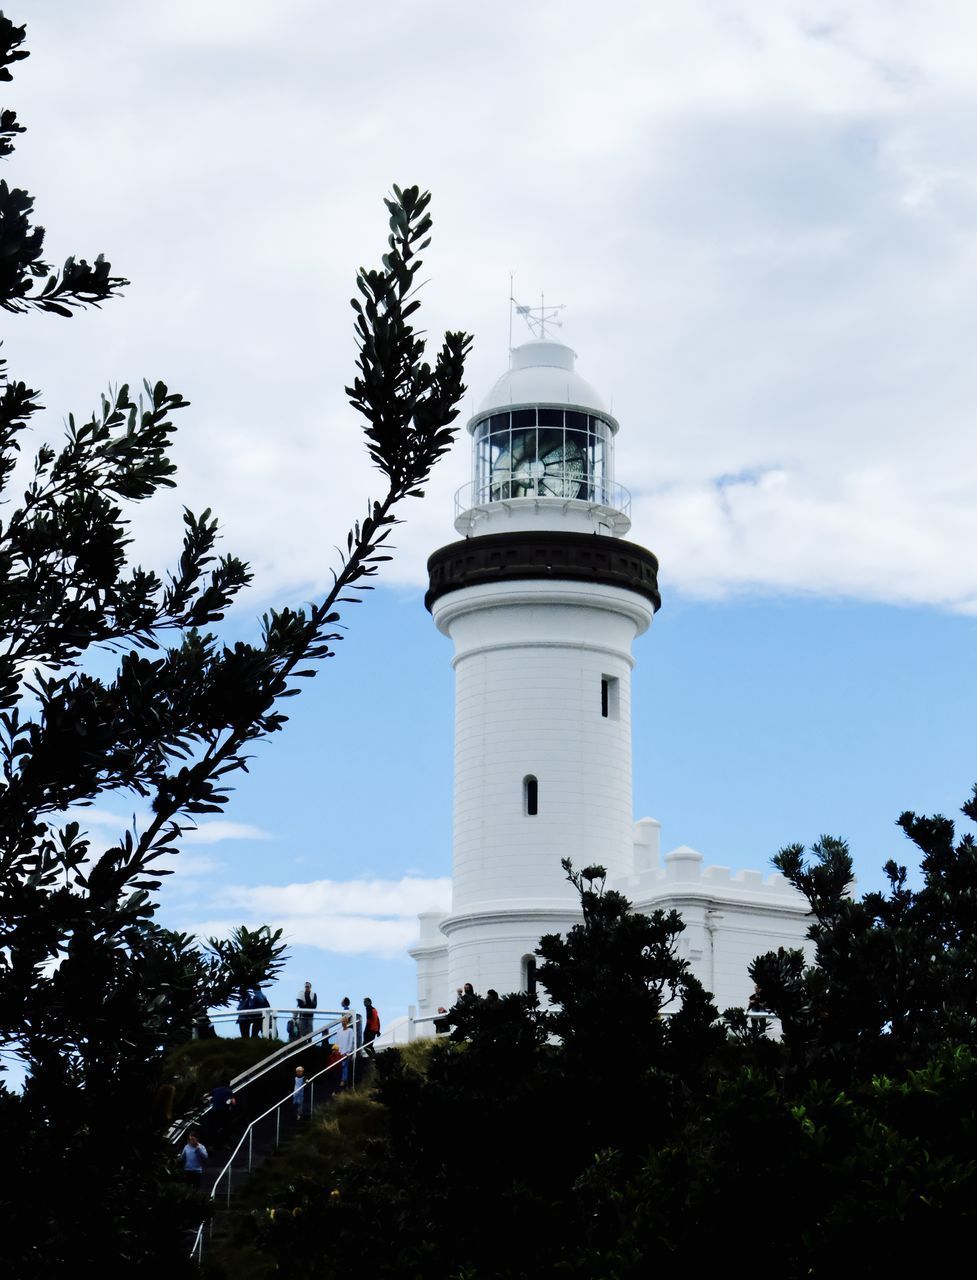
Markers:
point(103, 823)
point(190, 866)
point(344, 935)
point(353, 917)
point(219, 830)
point(375, 897)
point(95, 818)
point(760, 215)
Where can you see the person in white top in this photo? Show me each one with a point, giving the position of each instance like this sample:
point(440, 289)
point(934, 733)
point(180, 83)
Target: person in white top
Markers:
point(346, 1041)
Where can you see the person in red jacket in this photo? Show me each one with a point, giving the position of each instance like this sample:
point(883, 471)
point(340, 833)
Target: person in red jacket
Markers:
point(371, 1027)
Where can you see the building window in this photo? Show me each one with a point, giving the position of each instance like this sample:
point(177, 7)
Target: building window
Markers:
point(610, 697)
point(530, 795)
point(529, 975)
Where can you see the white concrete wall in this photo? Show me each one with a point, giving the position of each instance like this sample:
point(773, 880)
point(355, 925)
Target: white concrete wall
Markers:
point(431, 957)
point(529, 660)
point(488, 950)
point(730, 917)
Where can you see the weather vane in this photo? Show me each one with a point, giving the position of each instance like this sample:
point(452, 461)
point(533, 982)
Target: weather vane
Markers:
point(536, 317)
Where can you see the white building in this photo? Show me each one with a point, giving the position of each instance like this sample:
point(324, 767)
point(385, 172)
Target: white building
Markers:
point(543, 599)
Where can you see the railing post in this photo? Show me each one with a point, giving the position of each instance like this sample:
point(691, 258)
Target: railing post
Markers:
point(250, 1147)
point(411, 1027)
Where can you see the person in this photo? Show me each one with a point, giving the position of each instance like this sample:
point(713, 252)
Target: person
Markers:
point(298, 1092)
point(193, 1156)
point(346, 1042)
point(217, 1119)
point(347, 1011)
point(292, 1026)
point(755, 1004)
point(333, 1078)
point(492, 996)
point(306, 1002)
point(222, 1099)
point(371, 1027)
point(203, 1028)
point(245, 1019)
point(263, 1021)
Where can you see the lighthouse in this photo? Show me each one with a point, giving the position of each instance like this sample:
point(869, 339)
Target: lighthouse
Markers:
point(542, 597)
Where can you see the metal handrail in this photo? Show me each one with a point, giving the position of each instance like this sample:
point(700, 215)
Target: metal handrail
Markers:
point(249, 1134)
point(413, 1021)
point(178, 1130)
point(288, 1048)
point(274, 1012)
point(598, 493)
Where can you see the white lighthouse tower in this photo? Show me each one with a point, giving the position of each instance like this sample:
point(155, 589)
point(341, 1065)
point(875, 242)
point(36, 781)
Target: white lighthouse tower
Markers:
point(542, 598)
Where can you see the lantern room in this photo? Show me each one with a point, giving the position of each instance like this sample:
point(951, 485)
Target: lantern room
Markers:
point(543, 447)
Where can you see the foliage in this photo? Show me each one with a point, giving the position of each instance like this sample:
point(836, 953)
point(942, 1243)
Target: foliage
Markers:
point(605, 1138)
point(632, 974)
point(92, 989)
point(812, 1182)
point(194, 1067)
point(249, 957)
point(27, 282)
point(895, 972)
point(478, 1172)
point(275, 1197)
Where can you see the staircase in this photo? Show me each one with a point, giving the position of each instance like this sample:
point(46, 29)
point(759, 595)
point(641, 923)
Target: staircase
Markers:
point(264, 1118)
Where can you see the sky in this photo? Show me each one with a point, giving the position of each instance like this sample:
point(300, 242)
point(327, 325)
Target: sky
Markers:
point(760, 218)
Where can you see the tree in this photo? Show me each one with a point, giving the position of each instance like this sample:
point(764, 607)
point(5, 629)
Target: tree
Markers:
point(250, 957)
point(608, 1138)
point(895, 974)
point(634, 976)
point(488, 1164)
point(849, 1150)
point(92, 989)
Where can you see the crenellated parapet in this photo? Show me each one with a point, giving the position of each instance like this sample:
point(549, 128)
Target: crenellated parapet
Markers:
point(730, 916)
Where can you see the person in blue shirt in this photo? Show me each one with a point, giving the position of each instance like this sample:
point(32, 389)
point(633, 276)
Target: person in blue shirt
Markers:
point(217, 1119)
point(262, 1021)
point(193, 1156)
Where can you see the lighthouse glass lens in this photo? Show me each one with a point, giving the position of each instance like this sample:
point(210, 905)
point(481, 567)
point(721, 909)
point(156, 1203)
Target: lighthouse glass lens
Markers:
point(541, 453)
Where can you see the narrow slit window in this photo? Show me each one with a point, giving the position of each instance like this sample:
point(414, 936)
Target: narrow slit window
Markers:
point(610, 691)
point(530, 792)
point(529, 975)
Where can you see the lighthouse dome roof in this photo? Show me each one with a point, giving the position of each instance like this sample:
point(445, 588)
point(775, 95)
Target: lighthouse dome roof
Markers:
point(542, 372)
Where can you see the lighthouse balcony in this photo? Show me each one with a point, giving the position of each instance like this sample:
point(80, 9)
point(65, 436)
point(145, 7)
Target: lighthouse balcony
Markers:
point(572, 487)
point(587, 505)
